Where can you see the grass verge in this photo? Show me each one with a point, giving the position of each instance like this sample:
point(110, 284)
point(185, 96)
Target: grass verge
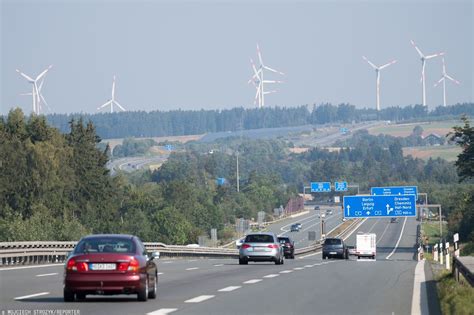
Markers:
point(455, 298)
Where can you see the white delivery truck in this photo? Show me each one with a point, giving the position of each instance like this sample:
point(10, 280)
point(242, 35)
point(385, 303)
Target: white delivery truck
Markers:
point(366, 245)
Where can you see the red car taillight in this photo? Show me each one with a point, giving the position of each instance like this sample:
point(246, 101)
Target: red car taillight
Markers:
point(273, 246)
point(244, 246)
point(72, 265)
point(133, 265)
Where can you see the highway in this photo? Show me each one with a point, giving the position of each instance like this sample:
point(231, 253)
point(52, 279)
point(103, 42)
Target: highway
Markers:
point(306, 285)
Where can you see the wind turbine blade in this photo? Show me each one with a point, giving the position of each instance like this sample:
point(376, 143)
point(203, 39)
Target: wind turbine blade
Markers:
point(273, 70)
point(257, 95)
point(259, 55)
point(417, 49)
point(255, 78)
point(452, 79)
point(43, 73)
point(25, 76)
point(370, 63)
point(102, 106)
point(269, 92)
point(44, 101)
point(117, 103)
point(113, 89)
point(387, 64)
point(439, 81)
point(272, 81)
point(434, 55)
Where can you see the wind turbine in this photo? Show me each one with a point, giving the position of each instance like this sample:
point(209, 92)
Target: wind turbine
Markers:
point(36, 91)
point(112, 101)
point(40, 95)
point(423, 64)
point(445, 76)
point(377, 76)
point(258, 81)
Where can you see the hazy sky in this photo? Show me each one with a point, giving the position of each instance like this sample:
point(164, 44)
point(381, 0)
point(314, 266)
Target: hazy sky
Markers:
point(195, 54)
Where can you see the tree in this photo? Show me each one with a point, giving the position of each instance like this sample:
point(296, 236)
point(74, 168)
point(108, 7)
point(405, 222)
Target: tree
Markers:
point(464, 137)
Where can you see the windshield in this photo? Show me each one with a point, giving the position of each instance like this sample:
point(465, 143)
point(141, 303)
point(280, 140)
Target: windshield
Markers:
point(332, 241)
point(105, 245)
point(259, 238)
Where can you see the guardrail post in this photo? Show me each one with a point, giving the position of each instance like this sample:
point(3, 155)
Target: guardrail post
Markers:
point(435, 252)
point(448, 261)
point(441, 253)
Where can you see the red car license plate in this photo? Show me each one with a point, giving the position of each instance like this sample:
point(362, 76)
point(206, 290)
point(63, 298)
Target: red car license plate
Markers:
point(102, 266)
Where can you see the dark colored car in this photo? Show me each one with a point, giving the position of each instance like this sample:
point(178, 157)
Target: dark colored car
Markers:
point(317, 208)
point(295, 228)
point(288, 246)
point(110, 264)
point(393, 220)
point(334, 247)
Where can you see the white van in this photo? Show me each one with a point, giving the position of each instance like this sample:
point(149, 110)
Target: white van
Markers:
point(366, 245)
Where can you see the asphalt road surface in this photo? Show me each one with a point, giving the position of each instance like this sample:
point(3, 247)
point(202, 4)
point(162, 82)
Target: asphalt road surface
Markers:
point(306, 285)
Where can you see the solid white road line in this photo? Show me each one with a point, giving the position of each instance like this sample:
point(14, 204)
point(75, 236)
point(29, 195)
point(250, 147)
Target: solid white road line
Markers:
point(309, 255)
point(398, 242)
point(193, 268)
point(163, 311)
point(47, 274)
point(160, 273)
point(229, 289)
point(358, 226)
point(309, 266)
point(199, 299)
point(271, 275)
point(252, 281)
point(167, 262)
point(286, 271)
point(29, 267)
point(31, 295)
point(419, 303)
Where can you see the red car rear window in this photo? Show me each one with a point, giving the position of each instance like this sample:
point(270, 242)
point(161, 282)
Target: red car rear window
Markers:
point(105, 245)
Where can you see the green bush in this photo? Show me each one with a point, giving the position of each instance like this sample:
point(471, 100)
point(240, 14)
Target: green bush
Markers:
point(455, 298)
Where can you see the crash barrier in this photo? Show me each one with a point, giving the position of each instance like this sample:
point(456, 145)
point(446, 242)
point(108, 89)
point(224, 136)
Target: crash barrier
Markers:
point(44, 252)
point(463, 268)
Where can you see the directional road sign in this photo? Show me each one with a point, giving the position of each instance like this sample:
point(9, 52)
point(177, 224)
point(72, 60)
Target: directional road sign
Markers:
point(395, 190)
point(379, 206)
point(320, 186)
point(169, 147)
point(220, 181)
point(340, 186)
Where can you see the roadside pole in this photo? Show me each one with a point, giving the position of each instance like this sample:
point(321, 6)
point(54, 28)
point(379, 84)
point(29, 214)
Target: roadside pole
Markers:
point(448, 260)
point(435, 252)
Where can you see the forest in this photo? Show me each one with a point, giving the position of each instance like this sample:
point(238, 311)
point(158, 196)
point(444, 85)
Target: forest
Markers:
point(192, 122)
point(55, 186)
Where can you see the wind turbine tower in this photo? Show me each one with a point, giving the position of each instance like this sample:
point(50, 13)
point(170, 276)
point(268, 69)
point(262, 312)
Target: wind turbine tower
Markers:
point(38, 98)
point(112, 101)
point(423, 65)
point(258, 79)
point(377, 77)
point(445, 76)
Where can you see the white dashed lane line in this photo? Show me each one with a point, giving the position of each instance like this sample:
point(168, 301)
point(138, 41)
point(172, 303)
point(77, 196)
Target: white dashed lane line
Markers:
point(199, 299)
point(229, 289)
point(193, 268)
point(163, 311)
point(298, 268)
point(31, 295)
point(252, 281)
point(47, 274)
point(219, 265)
point(286, 271)
point(271, 276)
point(160, 273)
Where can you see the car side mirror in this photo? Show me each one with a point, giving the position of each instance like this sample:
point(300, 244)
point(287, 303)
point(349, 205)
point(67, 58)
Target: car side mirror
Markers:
point(155, 255)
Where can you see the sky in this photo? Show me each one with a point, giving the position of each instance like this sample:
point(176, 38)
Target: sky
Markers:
point(195, 54)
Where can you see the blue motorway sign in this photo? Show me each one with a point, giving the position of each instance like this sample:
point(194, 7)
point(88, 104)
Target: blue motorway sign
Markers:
point(169, 147)
point(343, 130)
point(379, 206)
point(395, 190)
point(340, 186)
point(220, 181)
point(320, 186)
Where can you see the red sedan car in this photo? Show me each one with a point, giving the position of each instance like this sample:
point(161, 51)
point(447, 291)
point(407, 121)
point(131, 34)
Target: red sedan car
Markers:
point(110, 264)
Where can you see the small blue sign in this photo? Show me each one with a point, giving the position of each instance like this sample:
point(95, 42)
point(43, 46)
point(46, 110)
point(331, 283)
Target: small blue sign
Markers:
point(344, 130)
point(220, 181)
point(395, 190)
point(320, 186)
point(340, 186)
point(379, 206)
point(169, 147)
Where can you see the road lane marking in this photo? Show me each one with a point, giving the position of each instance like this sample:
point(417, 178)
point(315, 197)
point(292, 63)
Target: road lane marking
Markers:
point(199, 299)
point(252, 281)
point(298, 268)
point(192, 260)
point(31, 295)
point(29, 267)
point(317, 253)
point(219, 265)
point(398, 242)
point(380, 238)
point(167, 262)
point(419, 303)
point(193, 268)
point(47, 274)
point(273, 275)
point(160, 273)
point(309, 266)
point(229, 289)
point(163, 311)
point(286, 271)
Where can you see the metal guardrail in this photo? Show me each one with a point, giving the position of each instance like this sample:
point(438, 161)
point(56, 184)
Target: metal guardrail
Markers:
point(40, 252)
point(465, 267)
